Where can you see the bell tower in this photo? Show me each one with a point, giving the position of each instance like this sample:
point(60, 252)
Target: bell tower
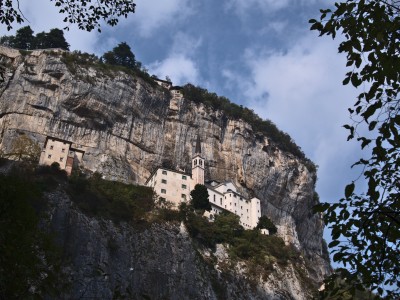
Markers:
point(198, 164)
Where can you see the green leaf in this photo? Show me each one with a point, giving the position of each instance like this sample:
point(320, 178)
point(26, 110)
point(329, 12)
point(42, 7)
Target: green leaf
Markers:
point(333, 244)
point(348, 191)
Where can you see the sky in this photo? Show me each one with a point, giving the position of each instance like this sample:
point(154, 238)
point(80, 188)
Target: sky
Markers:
point(258, 53)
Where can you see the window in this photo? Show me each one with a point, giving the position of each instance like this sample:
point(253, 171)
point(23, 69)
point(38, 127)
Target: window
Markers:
point(61, 158)
point(184, 177)
point(49, 156)
point(162, 199)
point(201, 162)
point(51, 147)
point(234, 195)
point(183, 196)
point(247, 210)
point(63, 150)
point(235, 204)
point(163, 181)
point(220, 201)
point(195, 162)
point(164, 172)
point(241, 207)
point(163, 191)
point(184, 186)
point(214, 198)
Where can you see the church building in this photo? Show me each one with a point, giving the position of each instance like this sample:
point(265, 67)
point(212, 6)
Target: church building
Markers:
point(175, 186)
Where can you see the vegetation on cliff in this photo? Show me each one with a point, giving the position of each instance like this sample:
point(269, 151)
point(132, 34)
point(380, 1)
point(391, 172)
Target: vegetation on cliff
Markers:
point(29, 260)
point(25, 40)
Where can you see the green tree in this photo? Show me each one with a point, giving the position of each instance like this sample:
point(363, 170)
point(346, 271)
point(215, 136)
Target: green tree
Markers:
point(7, 40)
point(55, 39)
point(87, 14)
point(366, 225)
point(41, 40)
point(199, 198)
point(265, 222)
point(29, 262)
point(24, 38)
point(121, 55)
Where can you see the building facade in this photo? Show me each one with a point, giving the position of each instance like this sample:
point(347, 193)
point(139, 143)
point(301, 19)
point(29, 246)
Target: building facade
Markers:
point(62, 152)
point(175, 187)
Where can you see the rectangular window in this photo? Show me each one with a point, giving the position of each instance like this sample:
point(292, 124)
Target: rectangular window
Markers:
point(61, 158)
point(163, 191)
point(184, 186)
point(220, 201)
point(184, 177)
point(51, 147)
point(62, 150)
point(234, 195)
point(214, 198)
point(163, 181)
point(49, 156)
point(164, 172)
point(183, 196)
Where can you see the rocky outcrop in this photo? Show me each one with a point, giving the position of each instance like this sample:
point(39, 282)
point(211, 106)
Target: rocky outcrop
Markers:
point(126, 128)
point(104, 260)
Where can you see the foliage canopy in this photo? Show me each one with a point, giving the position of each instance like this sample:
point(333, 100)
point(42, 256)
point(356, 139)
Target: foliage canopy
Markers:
point(265, 222)
point(25, 40)
point(121, 55)
point(366, 225)
point(29, 261)
point(86, 14)
point(199, 197)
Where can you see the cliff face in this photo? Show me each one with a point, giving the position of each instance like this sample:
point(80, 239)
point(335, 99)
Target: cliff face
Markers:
point(128, 127)
point(105, 260)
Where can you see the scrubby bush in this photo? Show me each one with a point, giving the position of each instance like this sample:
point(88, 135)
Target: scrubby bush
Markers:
point(111, 199)
point(244, 244)
point(29, 261)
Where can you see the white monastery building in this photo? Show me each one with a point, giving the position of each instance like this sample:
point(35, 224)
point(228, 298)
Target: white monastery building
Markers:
point(175, 187)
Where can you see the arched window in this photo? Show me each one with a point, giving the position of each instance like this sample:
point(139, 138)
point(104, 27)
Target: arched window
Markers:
point(195, 162)
point(201, 162)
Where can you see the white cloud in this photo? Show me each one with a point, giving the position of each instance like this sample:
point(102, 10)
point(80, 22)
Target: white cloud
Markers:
point(179, 68)
point(179, 65)
point(242, 6)
point(152, 15)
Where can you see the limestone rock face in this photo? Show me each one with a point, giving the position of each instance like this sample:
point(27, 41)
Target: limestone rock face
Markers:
point(126, 127)
point(103, 260)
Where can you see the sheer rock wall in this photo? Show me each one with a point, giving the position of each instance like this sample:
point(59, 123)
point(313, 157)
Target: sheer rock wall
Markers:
point(127, 128)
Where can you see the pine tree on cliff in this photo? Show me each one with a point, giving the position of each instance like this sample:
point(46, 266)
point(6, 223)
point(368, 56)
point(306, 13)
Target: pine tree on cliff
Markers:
point(121, 55)
point(24, 38)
